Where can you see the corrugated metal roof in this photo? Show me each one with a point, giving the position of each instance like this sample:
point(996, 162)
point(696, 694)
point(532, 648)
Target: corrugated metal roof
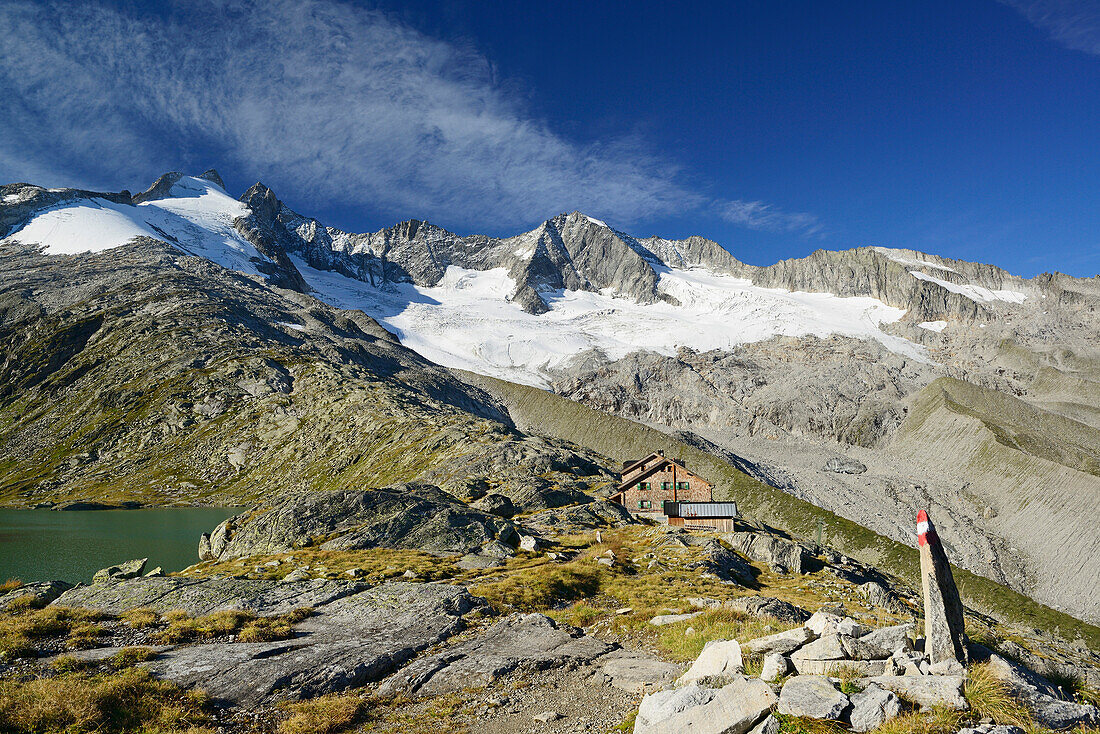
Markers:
point(701, 509)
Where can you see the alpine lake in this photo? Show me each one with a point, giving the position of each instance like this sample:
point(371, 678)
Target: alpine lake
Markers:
point(46, 545)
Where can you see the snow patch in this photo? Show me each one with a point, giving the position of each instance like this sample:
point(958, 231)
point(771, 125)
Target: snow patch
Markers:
point(9, 198)
point(933, 325)
point(92, 225)
point(198, 218)
point(287, 324)
point(973, 292)
point(892, 254)
point(466, 321)
point(597, 222)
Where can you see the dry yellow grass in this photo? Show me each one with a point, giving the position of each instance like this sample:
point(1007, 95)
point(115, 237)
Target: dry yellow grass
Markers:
point(10, 585)
point(140, 618)
point(129, 701)
point(324, 715)
point(21, 628)
point(989, 697)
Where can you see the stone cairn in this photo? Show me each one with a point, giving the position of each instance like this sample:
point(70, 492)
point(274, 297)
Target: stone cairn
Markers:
point(944, 633)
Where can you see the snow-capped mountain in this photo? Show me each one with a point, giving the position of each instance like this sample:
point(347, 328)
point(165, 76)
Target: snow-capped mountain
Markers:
point(526, 307)
point(957, 386)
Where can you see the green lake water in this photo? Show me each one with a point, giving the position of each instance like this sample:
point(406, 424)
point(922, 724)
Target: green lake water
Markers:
point(43, 545)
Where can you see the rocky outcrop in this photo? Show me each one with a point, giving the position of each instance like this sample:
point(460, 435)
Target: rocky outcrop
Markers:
point(525, 643)
point(927, 691)
point(205, 595)
point(416, 516)
point(351, 641)
point(38, 593)
point(589, 516)
point(782, 555)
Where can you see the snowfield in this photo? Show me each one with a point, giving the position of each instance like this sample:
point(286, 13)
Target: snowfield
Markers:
point(467, 321)
point(198, 218)
point(973, 292)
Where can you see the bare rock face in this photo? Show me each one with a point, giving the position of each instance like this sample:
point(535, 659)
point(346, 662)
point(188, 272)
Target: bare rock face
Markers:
point(348, 642)
point(782, 555)
point(944, 631)
point(525, 642)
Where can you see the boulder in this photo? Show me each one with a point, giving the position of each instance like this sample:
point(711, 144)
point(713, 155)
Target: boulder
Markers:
point(724, 563)
point(520, 642)
point(813, 696)
point(496, 504)
point(766, 606)
point(781, 555)
point(991, 729)
point(1041, 698)
point(40, 593)
point(927, 691)
point(844, 465)
point(770, 725)
point(127, 570)
point(888, 639)
point(872, 707)
point(775, 667)
point(528, 543)
point(781, 642)
point(732, 709)
point(850, 668)
point(719, 659)
point(944, 631)
point(828, 647)
point(662, 619)
point(946, 667)
point(636, 672)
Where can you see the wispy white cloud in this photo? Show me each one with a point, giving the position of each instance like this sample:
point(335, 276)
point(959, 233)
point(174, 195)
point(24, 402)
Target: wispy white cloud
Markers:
point(767, 217)
point(324, 101)
point(1073, 23)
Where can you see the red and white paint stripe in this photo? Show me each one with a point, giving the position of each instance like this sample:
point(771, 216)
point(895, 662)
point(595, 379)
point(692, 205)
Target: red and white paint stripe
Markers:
point(926, 531)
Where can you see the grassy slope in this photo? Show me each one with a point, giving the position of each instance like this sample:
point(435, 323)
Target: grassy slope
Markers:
point(543, 412)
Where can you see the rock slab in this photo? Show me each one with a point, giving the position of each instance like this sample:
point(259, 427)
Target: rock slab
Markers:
point(732, 709)
point(813, 696)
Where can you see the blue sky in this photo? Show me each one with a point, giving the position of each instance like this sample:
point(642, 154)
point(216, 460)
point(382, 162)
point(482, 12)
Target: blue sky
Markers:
point(966, 128)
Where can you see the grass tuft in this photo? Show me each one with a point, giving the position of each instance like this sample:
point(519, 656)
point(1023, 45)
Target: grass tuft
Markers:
point(988, 696)
point(325, 715)
point(140, 618)
point(10, 585)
